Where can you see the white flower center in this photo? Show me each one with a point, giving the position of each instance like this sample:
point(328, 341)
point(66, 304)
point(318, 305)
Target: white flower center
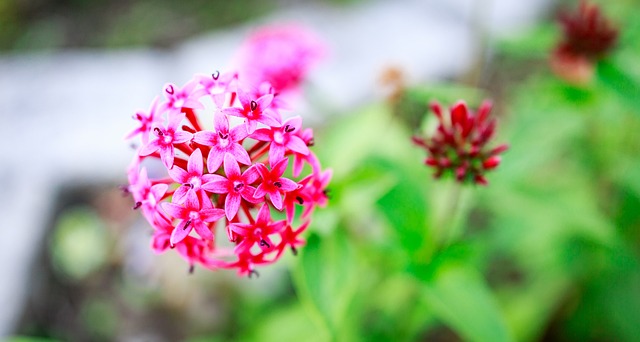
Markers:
point(278, 138)
point(224, 142)
point(196, 182)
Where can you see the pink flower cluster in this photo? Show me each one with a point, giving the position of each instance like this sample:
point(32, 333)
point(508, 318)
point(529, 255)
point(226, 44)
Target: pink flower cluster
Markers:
point(280, 55)
point(458, 145)
point(240, 182)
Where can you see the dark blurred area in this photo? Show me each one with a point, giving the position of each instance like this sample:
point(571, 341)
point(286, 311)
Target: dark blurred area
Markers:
point(55, 24)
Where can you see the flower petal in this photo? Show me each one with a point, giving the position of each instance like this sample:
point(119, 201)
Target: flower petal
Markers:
point(181, 231)
point(297, 145)
point(287, 184)
point(240, 154)
point(231, 167)
point(178, 174)
point(202, 230)
point(231, 205)
point(149, 148)
point(221, 123)
point(194, 166)
point(217, 187)
point(214, 160)
point(174, 210)
point(206, 138)
point(276, 199)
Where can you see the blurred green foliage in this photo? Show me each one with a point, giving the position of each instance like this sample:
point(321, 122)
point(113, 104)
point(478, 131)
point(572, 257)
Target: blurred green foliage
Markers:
point(78, 243)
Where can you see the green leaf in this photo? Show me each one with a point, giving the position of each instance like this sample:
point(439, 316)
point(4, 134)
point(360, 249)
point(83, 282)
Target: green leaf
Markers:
point(404, 207)
point(326, 279)
point(619, 82)
point(460, 298)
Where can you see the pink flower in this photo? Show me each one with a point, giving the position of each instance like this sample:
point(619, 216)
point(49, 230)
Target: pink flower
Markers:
point(146, 122)
point(458, 146)
point(192, 215)
point(177, 98)
point(301, 158)
point(257, 232)
point(192, 249)
point(291, 238)
point(146, 195)
point(280, 55)
point(223, 141)
point(253, 112)
point(217, 85)
point(191, 180)
point(273, 183)
point(282, 139)
point(311, 193)
point(165, 140)
point(236, 186)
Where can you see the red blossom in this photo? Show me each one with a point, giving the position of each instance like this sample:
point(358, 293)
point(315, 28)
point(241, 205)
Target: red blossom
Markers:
point(587, 37)
point(458, 145)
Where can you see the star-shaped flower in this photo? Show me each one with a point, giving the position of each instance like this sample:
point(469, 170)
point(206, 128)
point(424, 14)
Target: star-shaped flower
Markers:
point(192, 215)
point(217, 85)
point(273, 183)
point(165, 139)
point(236, 186)
point(223, 141)
point(147, 121)
point(282, 139)
point(253, 111)
point(257, 232)
point(192, 179)
point(178, 98)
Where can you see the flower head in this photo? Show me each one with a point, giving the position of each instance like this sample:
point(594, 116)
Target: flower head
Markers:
point(230, 177)
point(587, 37)
point(280, 55)
point(458, 146)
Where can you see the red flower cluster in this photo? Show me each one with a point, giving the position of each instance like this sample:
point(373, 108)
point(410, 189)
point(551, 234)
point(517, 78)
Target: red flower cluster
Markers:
point(588, 36)
point(587, 32)
point(457, 147)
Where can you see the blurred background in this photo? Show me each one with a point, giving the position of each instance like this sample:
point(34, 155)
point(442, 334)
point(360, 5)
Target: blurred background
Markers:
point(550, 250)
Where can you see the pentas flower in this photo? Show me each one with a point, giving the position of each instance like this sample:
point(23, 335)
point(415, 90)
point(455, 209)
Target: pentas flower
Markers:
point(226, 181)
point(217, 85)
point(179, 98)
point(166, 139)
point(235, 186)
point(192, 179)
point(458, 145)
point(587, 37)
point(258, 232)
point(282, 138)
point(253, 111)
point(273, 184)
point(147, 121)
point(193, 214)
point(223, 141)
